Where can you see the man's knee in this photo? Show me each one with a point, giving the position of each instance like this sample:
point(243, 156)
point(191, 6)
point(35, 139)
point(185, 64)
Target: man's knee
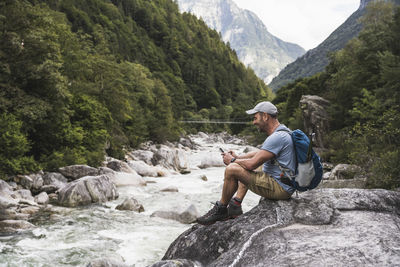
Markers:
point(233, 170)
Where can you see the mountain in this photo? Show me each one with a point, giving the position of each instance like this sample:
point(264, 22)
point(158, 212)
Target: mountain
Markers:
point(315, 60)
point(246, 33)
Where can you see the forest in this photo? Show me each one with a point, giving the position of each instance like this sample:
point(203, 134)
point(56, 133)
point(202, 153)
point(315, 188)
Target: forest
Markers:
point(362, 83)
point(83, 79)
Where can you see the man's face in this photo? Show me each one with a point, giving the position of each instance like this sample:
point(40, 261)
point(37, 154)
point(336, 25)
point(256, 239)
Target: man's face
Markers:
point(260, 120)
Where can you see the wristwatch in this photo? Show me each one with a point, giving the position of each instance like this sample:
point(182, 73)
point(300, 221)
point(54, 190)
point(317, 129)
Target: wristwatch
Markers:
point(233, 159)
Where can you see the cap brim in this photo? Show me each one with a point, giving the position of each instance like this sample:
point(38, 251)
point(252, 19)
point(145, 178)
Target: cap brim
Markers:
point(251, 111)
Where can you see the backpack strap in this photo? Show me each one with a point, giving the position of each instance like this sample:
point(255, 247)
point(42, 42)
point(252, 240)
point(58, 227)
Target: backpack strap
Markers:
point(285, 171)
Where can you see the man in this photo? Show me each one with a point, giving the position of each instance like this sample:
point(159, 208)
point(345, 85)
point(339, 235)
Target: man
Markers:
point(256, 170)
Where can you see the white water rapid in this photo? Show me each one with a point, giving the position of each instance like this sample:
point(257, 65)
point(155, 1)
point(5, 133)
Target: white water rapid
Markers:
point(76, 236)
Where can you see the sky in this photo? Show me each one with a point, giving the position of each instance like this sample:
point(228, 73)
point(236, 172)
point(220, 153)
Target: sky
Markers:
point(304, 22)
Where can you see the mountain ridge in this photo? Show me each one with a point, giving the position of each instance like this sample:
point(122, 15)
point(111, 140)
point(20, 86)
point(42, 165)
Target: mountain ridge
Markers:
point(316, 59)
point(247, 34)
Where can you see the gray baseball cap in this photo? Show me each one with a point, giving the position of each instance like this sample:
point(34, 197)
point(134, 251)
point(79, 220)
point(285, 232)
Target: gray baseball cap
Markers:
point(266, 107)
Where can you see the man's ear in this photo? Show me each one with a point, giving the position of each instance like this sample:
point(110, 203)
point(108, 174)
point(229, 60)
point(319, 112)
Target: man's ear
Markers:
point(265, 116)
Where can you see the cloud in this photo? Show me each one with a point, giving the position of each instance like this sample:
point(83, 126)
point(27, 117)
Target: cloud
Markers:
point(306, 22)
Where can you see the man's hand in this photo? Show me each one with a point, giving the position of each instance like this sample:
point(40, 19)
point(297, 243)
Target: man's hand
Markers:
point(227, 157)
point(233, 153)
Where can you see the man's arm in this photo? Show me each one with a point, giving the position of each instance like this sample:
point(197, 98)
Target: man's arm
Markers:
point(243, 156)
point(258, 158)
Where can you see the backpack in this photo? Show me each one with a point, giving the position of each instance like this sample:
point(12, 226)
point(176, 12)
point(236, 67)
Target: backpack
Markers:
point(308, 173)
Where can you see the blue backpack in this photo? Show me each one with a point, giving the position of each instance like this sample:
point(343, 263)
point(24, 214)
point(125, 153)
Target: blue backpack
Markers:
point(308, 173)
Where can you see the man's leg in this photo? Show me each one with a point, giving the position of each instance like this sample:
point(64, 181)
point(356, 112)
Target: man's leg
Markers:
point(241, 192)
point(234, 174)
point(236, 180)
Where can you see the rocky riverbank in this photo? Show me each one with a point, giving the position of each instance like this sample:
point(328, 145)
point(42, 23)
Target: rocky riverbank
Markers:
point(24, 199)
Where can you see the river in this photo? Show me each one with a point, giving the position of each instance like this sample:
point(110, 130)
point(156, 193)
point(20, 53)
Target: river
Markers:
point(76, 236)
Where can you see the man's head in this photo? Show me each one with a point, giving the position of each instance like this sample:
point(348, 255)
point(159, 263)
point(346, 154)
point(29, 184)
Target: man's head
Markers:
point(265, 116)
point(264, 107)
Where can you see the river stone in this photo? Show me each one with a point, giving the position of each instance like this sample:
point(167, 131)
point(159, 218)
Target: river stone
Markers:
point(30, 210)
point(322, 227)
point(42, 198)
point(315, 117)
point(87, 190)
point(344, 171)
point(74, 172)
point(170, 189)
point(127, 179)
point(24, 180)
point(130, 204)
point(13, 226)
point(12, 214)
point(55, 179)
point(7, 202)
point(212, 160)
point(170, 158)
point(176, 263)
point(24, 194)
point(5, 187)
point(120, 166)
point(142, 168)
point(143, 155)
point(106, 263)
point(188, 216)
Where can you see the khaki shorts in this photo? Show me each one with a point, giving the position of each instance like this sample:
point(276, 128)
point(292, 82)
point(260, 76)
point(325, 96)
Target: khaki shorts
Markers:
point(264, 185)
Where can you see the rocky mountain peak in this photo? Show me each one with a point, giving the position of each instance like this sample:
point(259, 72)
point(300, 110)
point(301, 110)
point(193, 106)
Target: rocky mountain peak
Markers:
point(247, 34)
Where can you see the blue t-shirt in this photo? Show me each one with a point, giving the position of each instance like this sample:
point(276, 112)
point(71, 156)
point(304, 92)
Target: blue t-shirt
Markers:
point(280, 144)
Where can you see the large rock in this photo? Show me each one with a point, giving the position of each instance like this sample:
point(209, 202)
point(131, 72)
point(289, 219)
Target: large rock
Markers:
point(130, 204)
point(211, 160)
point(171, 158)
point(144, 155)
point(54, 178)
point(344, 176)
point(120, 166)
point(143, 169)
point(12, 226)
point(106, 263)
point(127, 179)
point(188, 216)
point(74, 172)
point(315, 117)
point(322, 227)
point(87, 190)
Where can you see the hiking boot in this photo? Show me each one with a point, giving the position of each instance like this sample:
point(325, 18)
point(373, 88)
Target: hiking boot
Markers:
point(217, 213)
point(234, 210)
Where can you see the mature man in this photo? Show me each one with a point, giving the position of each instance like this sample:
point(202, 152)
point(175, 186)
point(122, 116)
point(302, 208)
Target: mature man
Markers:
point(257, 170)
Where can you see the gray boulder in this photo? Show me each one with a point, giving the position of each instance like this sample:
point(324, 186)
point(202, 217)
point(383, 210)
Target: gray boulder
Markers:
point(315, 117)
point(54, 178)
point(344, 176)
point(120, 166)
point(211, 160)
point(143, 169)
point(176, 263)
point(143, 155)
point(322, 227)
point(24, 180)
point(7, 202)
point(171, 158)
point(74, 172)
point(24, 194)
point(106, 263)
point(87, 190)
point(130, 204)
point(188, 216)
point(42, 198)
point(13, 226)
